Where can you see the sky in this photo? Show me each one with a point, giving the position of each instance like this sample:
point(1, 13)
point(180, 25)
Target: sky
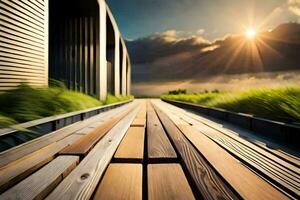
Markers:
point(211, 18)
point(201, 44)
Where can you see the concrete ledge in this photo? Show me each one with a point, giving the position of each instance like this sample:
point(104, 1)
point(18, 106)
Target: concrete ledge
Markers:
point(287, 134)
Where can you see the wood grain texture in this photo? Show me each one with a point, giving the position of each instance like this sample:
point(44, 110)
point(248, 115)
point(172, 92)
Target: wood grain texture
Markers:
point(231, 169)
point(142, 111)
point(82, 181)
point(285, 175)
point(140, 119)
point(20, 151)
point(33, 145)
point(278, 156)
point(168, 182)
point(19, 169)
point(121, 181)
point(139, 122)
point(293, 160)
point(85, 143)
point(132, 145)
point(39, 184)
point(159, 146)
point(208, 183)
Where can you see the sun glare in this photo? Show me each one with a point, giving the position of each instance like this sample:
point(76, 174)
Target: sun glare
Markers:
point(250, 33)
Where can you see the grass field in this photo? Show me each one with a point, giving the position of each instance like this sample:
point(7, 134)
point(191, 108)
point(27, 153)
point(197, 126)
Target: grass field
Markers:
point(280, 104)
point(26, 103)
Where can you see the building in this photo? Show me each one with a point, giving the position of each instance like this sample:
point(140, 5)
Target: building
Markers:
point(75, 41)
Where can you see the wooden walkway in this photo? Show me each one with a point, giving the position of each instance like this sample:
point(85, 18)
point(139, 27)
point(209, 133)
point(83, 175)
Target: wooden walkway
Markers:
point(147, 149)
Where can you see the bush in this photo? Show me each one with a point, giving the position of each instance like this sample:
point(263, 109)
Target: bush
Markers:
point(280, 104)
point(110, 99)
point(179, 91)
point(26, 103)
point(6, 121)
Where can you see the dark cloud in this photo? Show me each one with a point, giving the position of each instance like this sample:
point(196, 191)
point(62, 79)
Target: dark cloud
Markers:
point(149, 49)
point(222, 82)
point(176, 56)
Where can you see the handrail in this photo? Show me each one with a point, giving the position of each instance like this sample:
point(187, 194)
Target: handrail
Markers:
point(57, 120)
point(287, 134)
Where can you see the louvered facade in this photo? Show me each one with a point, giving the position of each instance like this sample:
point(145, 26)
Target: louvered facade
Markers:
point(23, 43)
point(74, 41)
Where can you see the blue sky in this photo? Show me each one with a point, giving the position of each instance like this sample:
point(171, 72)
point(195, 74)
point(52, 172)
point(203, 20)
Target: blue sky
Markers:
point(172, 42)
point(214, 18)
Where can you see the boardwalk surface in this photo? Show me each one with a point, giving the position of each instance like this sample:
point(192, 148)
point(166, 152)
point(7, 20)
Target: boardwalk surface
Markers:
point(147, 149)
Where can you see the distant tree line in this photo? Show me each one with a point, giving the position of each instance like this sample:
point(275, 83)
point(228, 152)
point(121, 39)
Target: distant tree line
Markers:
point(179, 91)
point(184, 91)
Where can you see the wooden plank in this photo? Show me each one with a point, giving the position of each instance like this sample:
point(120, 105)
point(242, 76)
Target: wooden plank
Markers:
point(39, 184)
point(139, 122)
point(271, 153)
point(19, 169)
point(20, 151)
point(140, 119)
point(142, 111)
point(281, 173)
point(107, 112)
point(83, 180)
point(207, 182)
point(85, 143)
point(84, 131)
point(38, 143)
point(132, 145)
point(159, 146)
point(167, 181)
point(127, 178)
point(231, 169)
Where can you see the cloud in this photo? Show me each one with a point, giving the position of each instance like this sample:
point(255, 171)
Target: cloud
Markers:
point(294, 7)
point(293, 1)
point(168, 43)
point(177, 56)
point(222, 82)
point(200, 31)
point(295, 10)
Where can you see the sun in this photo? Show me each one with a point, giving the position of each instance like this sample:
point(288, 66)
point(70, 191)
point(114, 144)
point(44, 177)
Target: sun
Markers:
point(250, 33)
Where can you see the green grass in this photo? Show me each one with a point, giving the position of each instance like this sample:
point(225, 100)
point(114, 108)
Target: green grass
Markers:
point(110, 99)
point(26, 103)
point(280, 104)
